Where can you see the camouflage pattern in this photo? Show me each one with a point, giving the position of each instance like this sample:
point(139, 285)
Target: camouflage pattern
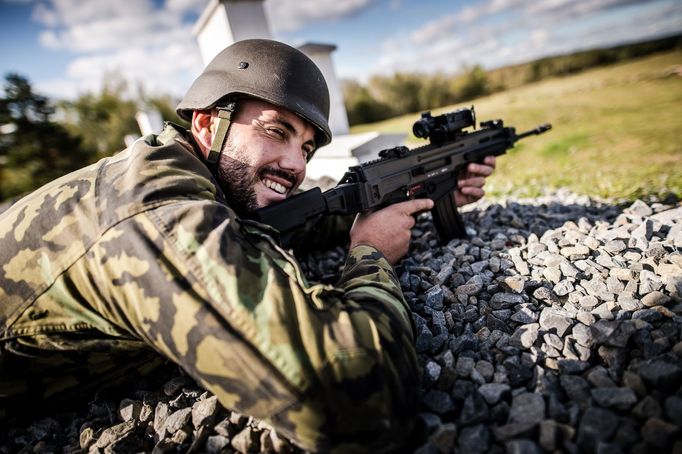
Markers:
point(137, 258)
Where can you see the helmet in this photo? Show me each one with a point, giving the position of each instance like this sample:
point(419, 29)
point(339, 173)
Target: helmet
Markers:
point(267, 70)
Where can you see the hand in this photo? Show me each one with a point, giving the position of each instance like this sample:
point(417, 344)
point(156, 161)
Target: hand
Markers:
point(470, 183)
point(389, 229)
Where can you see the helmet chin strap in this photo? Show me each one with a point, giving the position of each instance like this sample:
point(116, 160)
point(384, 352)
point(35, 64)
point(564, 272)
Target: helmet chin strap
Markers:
point(224, 120)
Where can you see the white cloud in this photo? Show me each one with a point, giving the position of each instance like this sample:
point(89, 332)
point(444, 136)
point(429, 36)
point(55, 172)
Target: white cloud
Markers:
point(500, 32)
point(169, 70)
point(133, 38)
point(289, 15)
point(68, 13)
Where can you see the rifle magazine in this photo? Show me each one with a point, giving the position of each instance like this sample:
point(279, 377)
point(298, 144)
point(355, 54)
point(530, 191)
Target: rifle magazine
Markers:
point(449, 223)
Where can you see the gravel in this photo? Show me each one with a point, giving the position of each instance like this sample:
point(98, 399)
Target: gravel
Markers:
point(556, 326)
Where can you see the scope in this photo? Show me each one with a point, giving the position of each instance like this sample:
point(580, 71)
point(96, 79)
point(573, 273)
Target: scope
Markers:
point(443, 126)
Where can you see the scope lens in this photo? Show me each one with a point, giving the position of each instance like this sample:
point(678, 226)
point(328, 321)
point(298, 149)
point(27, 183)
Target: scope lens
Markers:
point(419, 130)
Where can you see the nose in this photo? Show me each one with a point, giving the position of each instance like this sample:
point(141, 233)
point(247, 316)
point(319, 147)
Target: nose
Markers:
point(293, 160)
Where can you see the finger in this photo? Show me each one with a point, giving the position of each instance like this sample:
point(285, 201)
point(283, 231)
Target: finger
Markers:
point(474, 181)
point(415, 206)
point(480, 169)
point(490, 161)
point(472, 191)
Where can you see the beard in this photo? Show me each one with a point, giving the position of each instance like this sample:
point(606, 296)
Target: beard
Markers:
point(238, 179)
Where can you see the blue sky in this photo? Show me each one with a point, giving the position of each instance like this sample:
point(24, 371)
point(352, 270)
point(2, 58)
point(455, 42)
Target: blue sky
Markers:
point(65, 47)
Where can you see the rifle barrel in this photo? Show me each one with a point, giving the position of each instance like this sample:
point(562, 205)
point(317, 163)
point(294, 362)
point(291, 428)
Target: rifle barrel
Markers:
point(539, 130)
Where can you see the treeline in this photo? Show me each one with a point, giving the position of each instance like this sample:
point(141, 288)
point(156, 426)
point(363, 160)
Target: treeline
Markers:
point(402, 93)
point(41, 140)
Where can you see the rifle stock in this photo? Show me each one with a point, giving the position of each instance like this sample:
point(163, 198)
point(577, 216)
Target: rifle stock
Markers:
point(401, 174)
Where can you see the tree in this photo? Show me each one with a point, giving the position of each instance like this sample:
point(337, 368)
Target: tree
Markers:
point(34, 150)
point(361, 106)
point(103, 119)
point(475, 83)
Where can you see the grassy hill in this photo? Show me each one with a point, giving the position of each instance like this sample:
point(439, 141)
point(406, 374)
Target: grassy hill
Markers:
point(617, 131)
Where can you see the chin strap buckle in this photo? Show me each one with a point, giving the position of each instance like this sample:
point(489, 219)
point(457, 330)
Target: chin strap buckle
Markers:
point(224, 120)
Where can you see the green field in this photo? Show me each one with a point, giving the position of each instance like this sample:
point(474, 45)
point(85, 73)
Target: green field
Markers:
point(617, 131)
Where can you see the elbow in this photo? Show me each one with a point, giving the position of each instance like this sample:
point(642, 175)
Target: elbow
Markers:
point(364, 405)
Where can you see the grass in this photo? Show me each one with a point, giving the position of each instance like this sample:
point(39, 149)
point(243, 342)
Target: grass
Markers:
point(617, 131)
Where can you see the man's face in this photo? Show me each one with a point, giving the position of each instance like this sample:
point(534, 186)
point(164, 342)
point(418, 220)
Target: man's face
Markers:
point(264, 156)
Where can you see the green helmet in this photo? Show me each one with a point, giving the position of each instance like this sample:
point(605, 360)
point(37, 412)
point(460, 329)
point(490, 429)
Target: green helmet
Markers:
point(267, 70)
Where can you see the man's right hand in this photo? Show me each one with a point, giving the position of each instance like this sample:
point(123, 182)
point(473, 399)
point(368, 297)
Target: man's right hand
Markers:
point(389, 229)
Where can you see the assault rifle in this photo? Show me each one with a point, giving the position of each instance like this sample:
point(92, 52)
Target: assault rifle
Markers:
point(400, 174)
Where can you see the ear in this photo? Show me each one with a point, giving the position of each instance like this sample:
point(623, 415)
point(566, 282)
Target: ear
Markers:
point(202, 129)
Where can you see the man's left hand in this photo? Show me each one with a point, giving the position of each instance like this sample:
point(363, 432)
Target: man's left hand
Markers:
point(470, 183)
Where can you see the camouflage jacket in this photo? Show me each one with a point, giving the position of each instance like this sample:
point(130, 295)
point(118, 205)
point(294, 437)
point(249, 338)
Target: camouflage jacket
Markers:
point(138, 257)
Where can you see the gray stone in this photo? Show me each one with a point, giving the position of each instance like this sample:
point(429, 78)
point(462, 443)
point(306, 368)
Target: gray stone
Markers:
point(444, 437)
point(522, 447)
point(204, 411)
point(552, 274)
point(563, 288)
point(486, 369)
point(178, 420)
point(525, 335)
point(438, 402)
point(615, 246)
point(616, 398)
point(514, 284)
point(472, 286)
point(596, 425)
point(492, 392)
point(588, 302)
point(586, 318)
point(575, 387)
point(505, 300)
point(639, 208)
point(655, 298)
point(129, 409)
point(659, 434)
point(434, 297)
point(661, 372)
point(597, 287)
point(673, 409)
point(572, 366)
point(246, 440)
point(115, 434)
point(464, 366)
point(527, 408)
point(647, 408)
point(432, 372)
point(160, 415)
point(582, 334)
point(553, 319)
point(545, 295)
point(474, 410)
point(475, 439)
point(525, 315)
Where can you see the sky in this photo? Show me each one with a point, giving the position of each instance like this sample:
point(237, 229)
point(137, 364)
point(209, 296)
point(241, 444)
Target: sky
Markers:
point(66, 47)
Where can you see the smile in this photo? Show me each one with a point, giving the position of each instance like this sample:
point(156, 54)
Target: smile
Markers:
point(278, 188)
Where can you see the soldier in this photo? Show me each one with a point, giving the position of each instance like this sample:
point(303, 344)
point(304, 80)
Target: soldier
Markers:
point(150, 254)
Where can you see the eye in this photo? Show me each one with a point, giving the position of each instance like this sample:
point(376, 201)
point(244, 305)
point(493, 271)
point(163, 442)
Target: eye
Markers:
point(277, 131)
point(308, 153)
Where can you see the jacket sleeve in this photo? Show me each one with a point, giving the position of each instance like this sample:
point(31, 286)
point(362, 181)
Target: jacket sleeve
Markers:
point(329, 367)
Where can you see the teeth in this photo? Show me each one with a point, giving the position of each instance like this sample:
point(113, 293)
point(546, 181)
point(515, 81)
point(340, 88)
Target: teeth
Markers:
point(274, 186)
